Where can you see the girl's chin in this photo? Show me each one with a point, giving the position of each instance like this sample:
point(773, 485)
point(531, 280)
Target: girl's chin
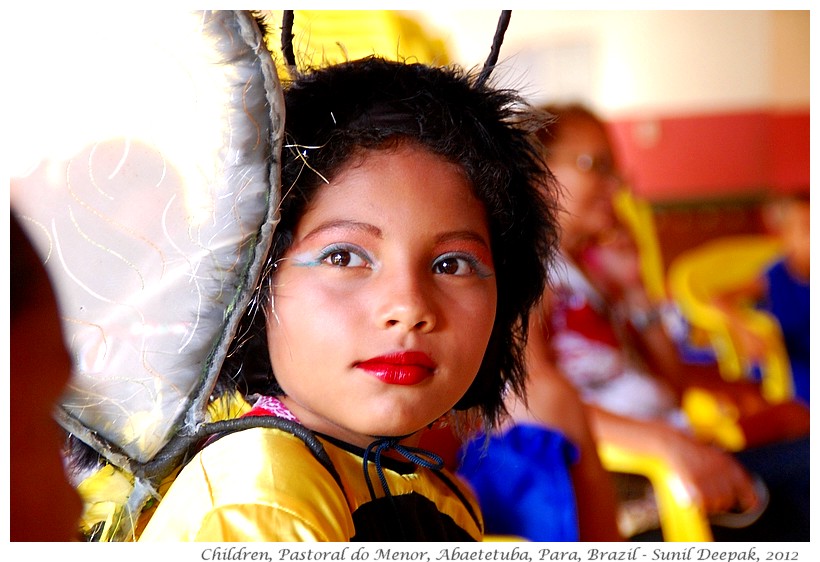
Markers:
point(408, 434)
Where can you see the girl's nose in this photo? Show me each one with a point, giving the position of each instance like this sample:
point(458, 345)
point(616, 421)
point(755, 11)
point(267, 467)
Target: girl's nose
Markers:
point(406, 303)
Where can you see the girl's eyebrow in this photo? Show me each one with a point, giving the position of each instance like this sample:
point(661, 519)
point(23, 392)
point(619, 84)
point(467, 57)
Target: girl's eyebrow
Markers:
point(342, 224)
point(460, 235)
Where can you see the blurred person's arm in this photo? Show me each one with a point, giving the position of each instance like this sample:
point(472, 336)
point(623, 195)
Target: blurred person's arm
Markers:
point(552, 401)
point(714, 479)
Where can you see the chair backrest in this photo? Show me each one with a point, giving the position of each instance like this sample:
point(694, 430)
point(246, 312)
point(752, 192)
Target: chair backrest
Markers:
point(636, 213)
point(698, 275)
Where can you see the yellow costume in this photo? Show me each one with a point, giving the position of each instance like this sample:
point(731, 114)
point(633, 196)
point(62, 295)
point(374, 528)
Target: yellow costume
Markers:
point(265, 484)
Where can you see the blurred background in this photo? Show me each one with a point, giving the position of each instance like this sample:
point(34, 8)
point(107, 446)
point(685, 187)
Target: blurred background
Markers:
point(709, 109)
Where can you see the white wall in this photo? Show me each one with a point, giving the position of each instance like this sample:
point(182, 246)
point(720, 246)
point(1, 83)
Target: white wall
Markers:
point(639, 62)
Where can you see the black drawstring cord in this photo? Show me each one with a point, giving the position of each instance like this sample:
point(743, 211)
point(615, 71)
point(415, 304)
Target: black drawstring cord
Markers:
point(417, 456)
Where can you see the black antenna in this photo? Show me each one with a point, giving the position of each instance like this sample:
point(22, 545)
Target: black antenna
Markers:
point(287, 41)
point(489, 64)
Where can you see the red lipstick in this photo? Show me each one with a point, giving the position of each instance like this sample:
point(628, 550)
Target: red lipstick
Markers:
point(405, 368)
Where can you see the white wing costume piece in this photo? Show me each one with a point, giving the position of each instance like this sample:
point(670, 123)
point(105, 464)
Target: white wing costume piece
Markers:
point(147, 177)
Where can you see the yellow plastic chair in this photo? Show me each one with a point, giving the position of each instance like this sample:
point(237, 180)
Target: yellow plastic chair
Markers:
point(690, 282)
point(637, 214)
point(698, 275)
point(713, 421)
point(682, 520)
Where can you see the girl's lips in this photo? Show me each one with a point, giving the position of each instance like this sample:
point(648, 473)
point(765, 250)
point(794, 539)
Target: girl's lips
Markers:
point(405, 368)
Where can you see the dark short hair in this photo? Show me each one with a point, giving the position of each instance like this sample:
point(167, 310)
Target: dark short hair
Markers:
point(565, 116)
point(334, 113)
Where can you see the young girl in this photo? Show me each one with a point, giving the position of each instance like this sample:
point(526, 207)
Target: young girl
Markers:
point(410, 248)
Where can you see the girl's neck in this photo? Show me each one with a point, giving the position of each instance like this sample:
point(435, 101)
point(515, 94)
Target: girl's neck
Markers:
point(341, 433)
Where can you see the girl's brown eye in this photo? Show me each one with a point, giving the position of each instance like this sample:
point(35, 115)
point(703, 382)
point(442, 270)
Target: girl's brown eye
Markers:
point(342, 256)
point(448, 266)
point(340, 259)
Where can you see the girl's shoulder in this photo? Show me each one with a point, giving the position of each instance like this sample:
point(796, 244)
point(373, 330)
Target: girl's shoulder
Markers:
point(265, 473)
point(279, 453)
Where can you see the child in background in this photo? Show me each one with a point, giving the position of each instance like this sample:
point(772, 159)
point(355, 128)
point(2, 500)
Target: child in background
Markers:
point(411, 247)
point(782, 289)
point(626, 368)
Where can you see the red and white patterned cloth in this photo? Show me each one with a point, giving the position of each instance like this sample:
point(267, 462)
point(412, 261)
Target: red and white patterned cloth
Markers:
point(596, 358)
point(271, 406)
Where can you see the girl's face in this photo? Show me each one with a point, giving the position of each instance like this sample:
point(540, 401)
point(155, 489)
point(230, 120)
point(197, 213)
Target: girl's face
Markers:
point(795, 233)
point(384, 304)
point(583, 163)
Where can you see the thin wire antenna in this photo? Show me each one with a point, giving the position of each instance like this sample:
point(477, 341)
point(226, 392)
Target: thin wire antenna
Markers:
point(498, 39)
point(287, 42)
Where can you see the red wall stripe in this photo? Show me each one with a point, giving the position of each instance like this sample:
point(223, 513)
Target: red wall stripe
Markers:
point(715, 155)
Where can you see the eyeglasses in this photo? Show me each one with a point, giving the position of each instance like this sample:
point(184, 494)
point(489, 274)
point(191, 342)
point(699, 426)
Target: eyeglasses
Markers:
point(602, 166)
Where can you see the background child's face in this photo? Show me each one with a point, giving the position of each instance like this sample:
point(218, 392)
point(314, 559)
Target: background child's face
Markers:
point(790, 220)
point(582, 161)
point(384, 304)
point(796, 235)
